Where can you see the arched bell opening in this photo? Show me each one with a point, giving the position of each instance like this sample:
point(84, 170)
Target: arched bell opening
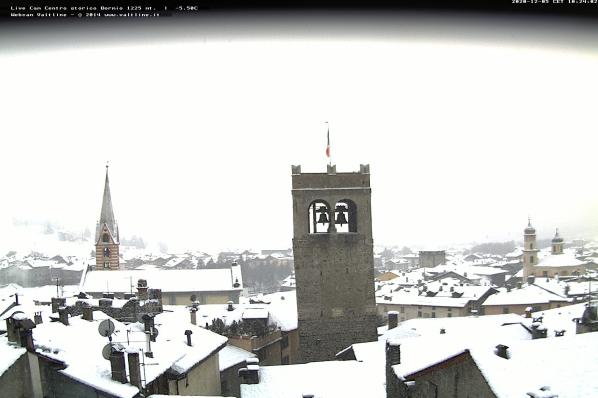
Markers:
point(345, 216)
point(318, 217)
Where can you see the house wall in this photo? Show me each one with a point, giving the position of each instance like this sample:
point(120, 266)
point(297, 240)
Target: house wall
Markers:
point(203, 379)
point(458, 378)
point(551, 272)
point(13, 382)
point(407, 311)
point(184, 298)
point(291, 351)
point(230, 381)
point(520, 308)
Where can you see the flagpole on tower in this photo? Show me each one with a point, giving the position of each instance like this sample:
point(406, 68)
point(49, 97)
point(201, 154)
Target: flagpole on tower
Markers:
point(328, 144)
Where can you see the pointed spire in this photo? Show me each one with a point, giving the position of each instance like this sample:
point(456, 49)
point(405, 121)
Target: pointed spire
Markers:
point(107, 214)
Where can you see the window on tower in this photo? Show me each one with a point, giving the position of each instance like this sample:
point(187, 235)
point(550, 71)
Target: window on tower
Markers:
point(318, 217)
point(105, 238)
point(345, 216)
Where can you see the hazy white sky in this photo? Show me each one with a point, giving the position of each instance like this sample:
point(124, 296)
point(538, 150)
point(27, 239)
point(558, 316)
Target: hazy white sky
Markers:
point(465, 138)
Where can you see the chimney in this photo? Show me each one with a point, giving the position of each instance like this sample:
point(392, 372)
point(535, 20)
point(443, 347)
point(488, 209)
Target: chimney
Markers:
point(519, 285)
point(108, 296)
point(148, 325)
point(230, 306)
point(148, 348)
point(528, 312)
point(117, 366)
point(37, 318)
point(393, 357)
point(134, 370)
point(88, 313)
point(193, 312)
point(538, 331)
point(531, 279)
point(442, 331)
point(16, 298)
point(393, 319)
point(105, 302)
point(11, 330)
point(188, 333)
point(57, 302)
point(559, 333)
point(63, 315)
point(250, 373)
point(27, 339)
point(142, 289)
point(502, 351)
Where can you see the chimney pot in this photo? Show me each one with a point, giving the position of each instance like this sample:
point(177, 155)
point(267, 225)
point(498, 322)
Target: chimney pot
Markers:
point(88, 313)
point(37, 318)
point(63, 315)
point(230, 306)
point(393, 319)
point(502, 351)
point(117, 366)
point(188, 333)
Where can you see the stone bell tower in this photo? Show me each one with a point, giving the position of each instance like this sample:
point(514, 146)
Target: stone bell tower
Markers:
point(530, 250)
point(107, 238)
point(334, 263)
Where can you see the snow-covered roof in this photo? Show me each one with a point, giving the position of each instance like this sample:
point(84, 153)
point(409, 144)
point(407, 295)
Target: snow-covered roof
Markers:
point(168, 280)
point(528, 294)
point(566, 259)
point(79, 346)
point(9, 354)
point(566, 365)
point(442, 298)
point(231, 356)
point(330, 379)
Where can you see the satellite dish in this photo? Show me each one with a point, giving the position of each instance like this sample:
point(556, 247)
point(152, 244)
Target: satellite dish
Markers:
point(106, 328)
point(107, 351)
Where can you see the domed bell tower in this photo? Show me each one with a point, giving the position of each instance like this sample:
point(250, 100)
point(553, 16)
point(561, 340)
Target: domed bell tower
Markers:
point(530, 250)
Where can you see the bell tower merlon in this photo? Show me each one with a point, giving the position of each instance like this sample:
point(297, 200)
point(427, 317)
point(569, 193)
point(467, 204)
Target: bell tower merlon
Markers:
point(334, 264)
point(530, 250)
point(107, 235)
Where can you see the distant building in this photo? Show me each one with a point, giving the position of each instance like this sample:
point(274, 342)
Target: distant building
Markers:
point(334, 261)
point(209, 286)
point(107, 234)
point(431, 258)
point(558, 262)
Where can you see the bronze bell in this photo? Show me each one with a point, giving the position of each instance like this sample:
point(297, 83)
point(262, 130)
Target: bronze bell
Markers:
point(340, 216)
point(323, 218)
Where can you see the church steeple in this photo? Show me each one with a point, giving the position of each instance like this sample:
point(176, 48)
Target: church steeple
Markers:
point(107, 236)
point(107, 214)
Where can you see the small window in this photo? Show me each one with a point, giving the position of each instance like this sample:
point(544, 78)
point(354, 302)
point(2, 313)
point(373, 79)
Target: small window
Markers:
point(531, 259)
point(106, 264)
point(433, 314)
point(285, 341)
point(505, 310)
point(419, 314)
point(545, 273)
point(433, 308)
point(285, 360)
point(106, 238)
point(450, 315)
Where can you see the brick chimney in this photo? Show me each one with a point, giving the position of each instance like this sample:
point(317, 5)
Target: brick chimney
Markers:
point(393, 319)
point(63, 315)
point(193, 312)
point(37, 318)
point(250, 373)
point(88, 313)
point(393, 357)
point(117, 366)
point(142, 289)
point(134, 370)
point(531, 279)
point(57, 302)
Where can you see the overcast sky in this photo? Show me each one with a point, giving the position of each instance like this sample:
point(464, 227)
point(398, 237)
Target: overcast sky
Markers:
point(467, 130)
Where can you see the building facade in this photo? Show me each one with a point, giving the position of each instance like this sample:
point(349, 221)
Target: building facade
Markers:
point(334, 264)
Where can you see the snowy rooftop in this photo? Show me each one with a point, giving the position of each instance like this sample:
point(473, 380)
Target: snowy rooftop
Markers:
point(561, 364)
point(167, 280)
point(79, 346)
point(9, 353)
point(528, 294)
point(231, 356)
point(443, 296)
point(566, 259)
point(331, 379)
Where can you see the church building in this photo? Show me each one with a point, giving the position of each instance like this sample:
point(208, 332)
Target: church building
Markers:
point(557, 262)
